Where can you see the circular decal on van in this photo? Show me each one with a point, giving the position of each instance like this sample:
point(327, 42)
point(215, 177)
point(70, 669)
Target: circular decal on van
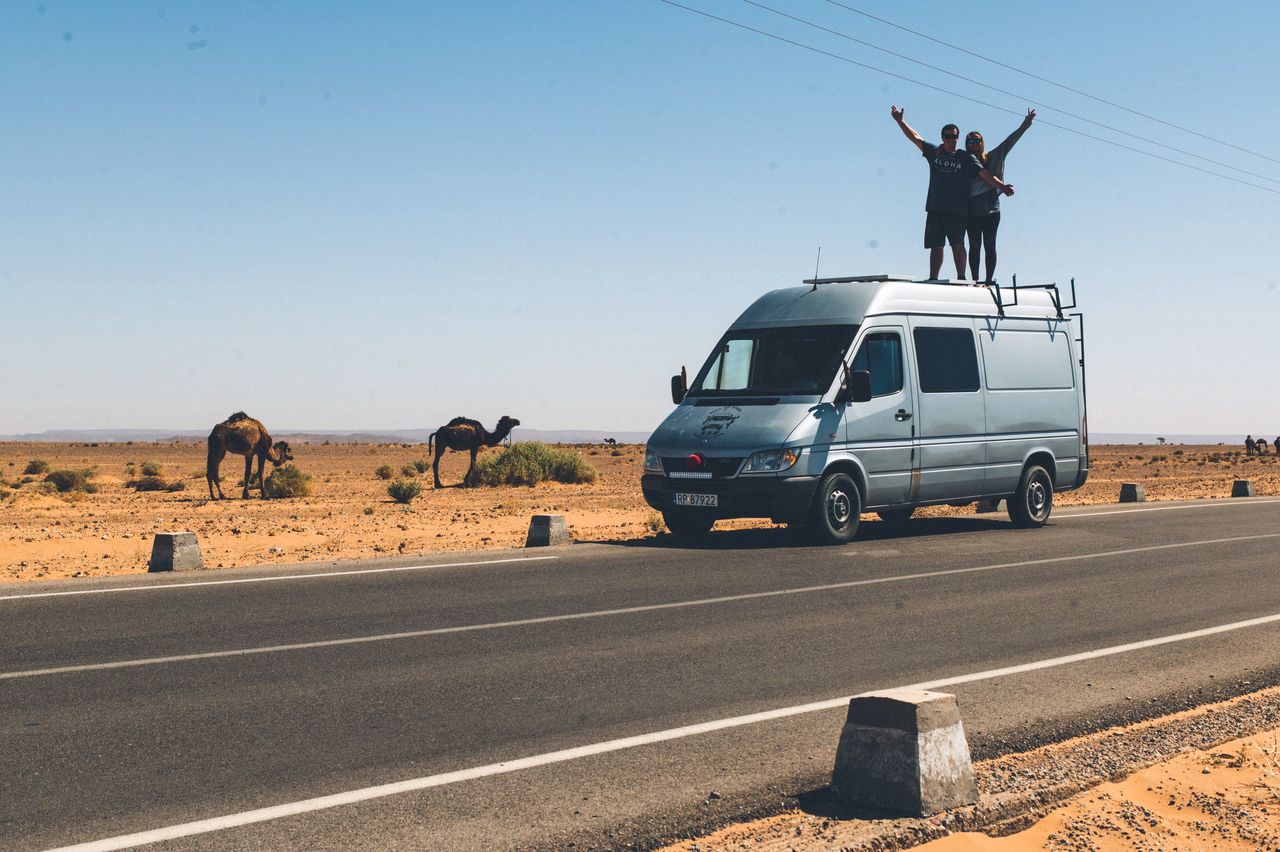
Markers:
point(719, 420)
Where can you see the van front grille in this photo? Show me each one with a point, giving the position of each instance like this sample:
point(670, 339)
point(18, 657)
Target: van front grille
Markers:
point(719, 468)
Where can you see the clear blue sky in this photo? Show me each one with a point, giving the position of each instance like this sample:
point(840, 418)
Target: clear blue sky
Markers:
point(341, 215)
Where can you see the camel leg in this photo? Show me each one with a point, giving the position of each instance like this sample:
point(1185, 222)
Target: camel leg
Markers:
point(466, 481)
point(262, 485)
point(213, 472)
point(248, 476)
point(435, 467)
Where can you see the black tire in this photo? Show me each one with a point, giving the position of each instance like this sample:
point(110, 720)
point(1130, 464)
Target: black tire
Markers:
point(1031, 504)
point(688, 524)
point(896, 519)
point(836, 510)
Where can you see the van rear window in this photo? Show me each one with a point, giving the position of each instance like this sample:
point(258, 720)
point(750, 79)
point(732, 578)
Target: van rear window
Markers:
point(798, 360)
point(947, 360)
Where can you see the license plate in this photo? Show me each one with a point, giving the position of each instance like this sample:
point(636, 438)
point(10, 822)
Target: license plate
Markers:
point(696, 499)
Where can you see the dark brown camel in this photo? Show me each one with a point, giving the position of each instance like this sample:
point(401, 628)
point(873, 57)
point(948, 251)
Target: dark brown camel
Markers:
point(242, 435)
point(460, 434)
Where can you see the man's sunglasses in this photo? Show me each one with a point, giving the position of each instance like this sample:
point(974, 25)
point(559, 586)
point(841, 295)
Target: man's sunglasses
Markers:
point(951, 136)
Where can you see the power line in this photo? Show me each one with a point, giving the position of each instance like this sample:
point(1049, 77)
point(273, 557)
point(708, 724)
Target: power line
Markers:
point(923, 64)
point(1015, 69)
point(921, 83)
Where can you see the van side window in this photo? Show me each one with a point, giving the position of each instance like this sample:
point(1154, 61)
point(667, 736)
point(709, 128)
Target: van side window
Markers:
point(947, 359)
point(881, 355)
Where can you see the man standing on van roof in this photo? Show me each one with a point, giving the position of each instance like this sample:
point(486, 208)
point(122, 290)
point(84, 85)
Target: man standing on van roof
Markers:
point(950, 172)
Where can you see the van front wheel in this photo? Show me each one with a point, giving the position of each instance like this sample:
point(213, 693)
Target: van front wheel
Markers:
point(836, 510)
point(1031, 504)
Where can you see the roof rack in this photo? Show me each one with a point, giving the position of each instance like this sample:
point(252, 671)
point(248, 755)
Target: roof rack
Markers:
point(857, 279)
point(1051, 289)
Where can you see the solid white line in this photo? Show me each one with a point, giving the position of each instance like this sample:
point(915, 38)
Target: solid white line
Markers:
point(1223, 503)
point(604, 613)
point(166, 586)
point(353, 796)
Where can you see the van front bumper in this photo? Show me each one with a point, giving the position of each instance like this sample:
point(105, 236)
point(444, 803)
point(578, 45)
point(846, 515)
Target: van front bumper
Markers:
point(740, 497)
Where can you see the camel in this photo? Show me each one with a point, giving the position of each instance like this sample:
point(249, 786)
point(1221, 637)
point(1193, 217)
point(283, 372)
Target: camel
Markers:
point(613, 442)
point(460, 434)
point(243, 435)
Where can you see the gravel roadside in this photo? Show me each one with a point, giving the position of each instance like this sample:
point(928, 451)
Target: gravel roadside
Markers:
point(1018, 790)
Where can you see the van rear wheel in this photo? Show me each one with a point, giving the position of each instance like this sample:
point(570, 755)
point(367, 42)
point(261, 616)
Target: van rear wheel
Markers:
point(1031, 504)
point(688, 524)
point(837, 508)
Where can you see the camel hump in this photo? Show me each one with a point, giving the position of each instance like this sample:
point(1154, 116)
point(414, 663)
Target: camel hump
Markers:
point(239, 415)
point(463, 421)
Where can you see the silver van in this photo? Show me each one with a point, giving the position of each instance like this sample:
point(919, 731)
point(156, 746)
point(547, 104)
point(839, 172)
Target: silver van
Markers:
point(876, 394)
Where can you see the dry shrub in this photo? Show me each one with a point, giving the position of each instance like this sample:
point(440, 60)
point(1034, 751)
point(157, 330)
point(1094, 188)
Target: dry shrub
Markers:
point(35, 467)
point(386, 471)
point(531, 462)
point(288, 481)
point(72, 480)
point(404, 490)
point(152, 468)
point(149, 483)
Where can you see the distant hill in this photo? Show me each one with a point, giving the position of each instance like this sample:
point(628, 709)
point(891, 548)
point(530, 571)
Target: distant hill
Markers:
point(318, 436)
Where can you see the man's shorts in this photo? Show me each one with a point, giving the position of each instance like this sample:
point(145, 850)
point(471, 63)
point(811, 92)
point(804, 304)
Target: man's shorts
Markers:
point(940, 226)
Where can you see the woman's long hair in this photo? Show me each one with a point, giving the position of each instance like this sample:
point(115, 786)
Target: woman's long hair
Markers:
point(982, 145)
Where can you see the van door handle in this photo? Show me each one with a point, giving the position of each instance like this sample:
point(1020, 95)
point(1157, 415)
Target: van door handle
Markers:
point(902, 414)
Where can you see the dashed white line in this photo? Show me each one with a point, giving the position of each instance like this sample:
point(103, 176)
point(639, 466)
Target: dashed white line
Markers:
point(350, 797)
point(159, 587)
point(604, 613)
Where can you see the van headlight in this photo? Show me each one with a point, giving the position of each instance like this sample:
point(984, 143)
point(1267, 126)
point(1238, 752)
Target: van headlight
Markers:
point(652, 461)
point(771, 461)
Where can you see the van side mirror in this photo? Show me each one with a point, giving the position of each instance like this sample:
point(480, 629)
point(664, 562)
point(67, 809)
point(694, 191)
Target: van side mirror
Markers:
point(859, 386)
point(679, 386)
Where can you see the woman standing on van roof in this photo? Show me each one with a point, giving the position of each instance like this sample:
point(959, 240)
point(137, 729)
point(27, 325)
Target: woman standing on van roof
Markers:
point(984, 202)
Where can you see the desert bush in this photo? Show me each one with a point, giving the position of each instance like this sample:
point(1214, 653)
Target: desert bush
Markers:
point(409, 470)
point(149, 483)
point(37, 466)
point(368, 510)
point(152, 468)
point(421, 465)
point(384, 472)
point(130, 469)
point(656, 523)
point(531, 462)
point(46, 488)
point(177, 485)
point(70, 480)
point(288, 481)
point(615, 452)
point(404, 490)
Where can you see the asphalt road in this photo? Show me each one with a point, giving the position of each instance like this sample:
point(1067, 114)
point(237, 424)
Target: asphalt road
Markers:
point(154, 702)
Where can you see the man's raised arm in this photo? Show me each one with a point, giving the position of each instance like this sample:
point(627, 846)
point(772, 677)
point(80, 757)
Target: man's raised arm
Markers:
point(907, 130)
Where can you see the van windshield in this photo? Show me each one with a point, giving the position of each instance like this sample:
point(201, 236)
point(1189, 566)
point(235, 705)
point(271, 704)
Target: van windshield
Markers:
point(775, 361)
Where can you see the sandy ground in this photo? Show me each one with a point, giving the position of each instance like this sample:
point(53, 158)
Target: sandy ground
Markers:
point(1207, 778)
point(350, 515)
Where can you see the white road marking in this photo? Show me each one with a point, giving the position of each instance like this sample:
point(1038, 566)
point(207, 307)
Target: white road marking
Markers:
point(206, 826)
point(604, 613)
point(158, 587)
point(1213, 505)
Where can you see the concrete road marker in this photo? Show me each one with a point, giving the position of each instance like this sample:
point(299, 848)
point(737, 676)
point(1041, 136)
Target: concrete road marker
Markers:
point(175, 551)
point(903, 751)
point(1242, 488)
point(545, 530)
point(1131, 492)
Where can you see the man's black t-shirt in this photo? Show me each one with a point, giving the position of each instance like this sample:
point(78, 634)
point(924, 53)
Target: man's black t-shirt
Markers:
point(949, 176)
